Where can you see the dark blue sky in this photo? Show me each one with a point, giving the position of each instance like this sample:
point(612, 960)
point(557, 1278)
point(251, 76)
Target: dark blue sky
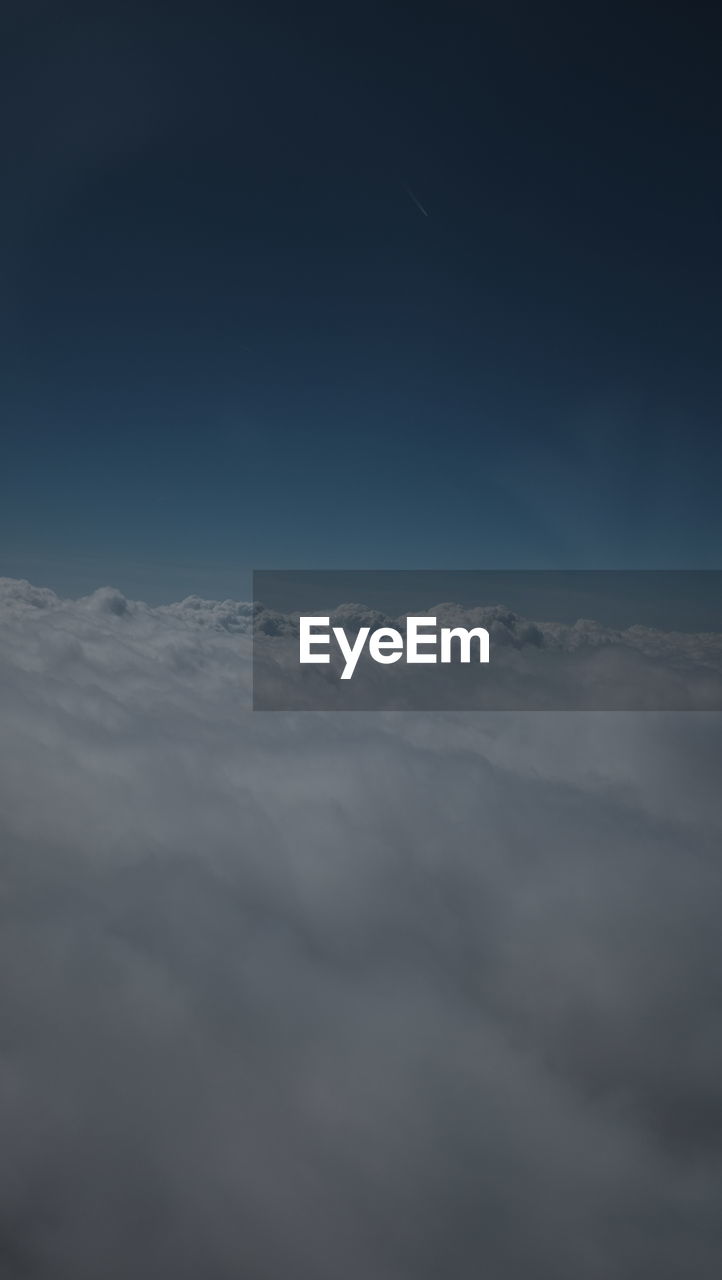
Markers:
point(231, 338)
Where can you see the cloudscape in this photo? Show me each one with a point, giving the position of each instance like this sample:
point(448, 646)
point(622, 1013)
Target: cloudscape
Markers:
point(394, 995)
point(366, 333)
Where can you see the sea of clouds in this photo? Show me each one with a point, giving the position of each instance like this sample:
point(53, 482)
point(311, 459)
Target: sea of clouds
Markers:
point(380, 996)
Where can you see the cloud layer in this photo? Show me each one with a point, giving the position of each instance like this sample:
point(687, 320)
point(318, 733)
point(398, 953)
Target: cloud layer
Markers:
point(316, 995)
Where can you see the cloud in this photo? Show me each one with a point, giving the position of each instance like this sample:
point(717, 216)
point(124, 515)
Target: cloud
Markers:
point(319, 994)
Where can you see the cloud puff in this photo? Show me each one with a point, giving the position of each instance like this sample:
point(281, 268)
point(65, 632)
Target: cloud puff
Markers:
point(315, 995)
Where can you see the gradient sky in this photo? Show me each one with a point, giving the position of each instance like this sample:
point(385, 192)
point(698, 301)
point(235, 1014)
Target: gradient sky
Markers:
point(232, 338)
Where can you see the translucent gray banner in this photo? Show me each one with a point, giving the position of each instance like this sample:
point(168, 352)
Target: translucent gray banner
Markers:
point(405, 640)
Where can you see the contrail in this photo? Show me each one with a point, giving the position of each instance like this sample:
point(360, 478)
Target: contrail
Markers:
point(418, 203)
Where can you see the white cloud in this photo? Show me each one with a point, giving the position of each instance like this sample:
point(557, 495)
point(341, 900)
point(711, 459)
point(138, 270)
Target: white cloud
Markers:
point(323, 994)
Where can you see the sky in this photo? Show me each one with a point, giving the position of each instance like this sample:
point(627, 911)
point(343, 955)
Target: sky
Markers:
point(326, 286)
point(394, 995)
